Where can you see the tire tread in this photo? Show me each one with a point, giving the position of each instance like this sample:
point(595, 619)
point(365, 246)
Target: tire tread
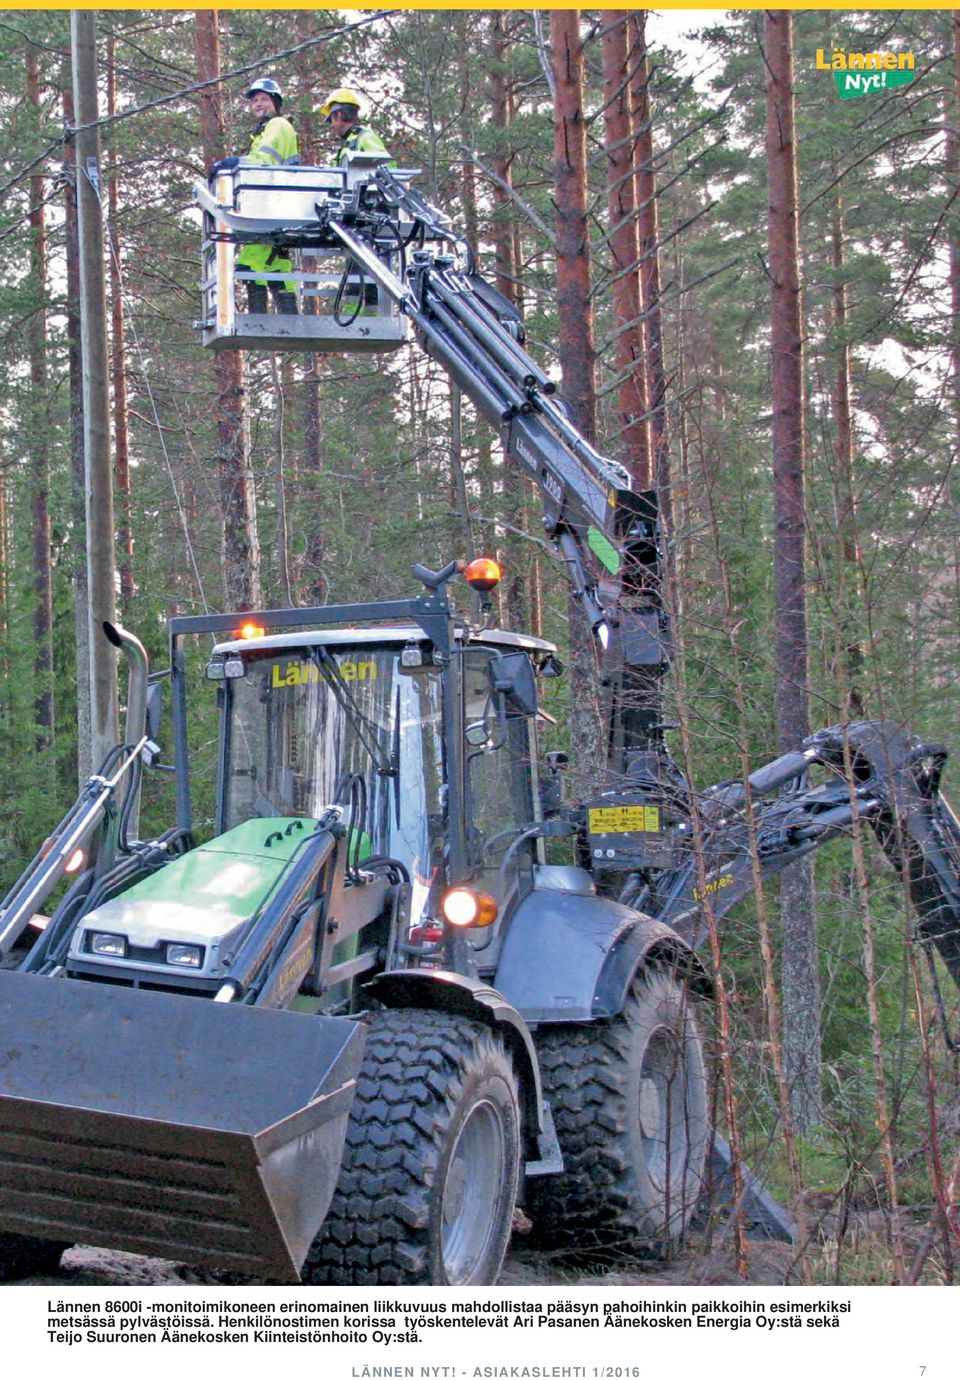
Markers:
point(408, 1090)
point(586, 1075)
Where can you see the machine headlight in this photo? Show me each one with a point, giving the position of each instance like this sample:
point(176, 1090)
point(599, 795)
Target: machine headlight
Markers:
point(185, 955)
point(108, 945)
point(226, 668)
point(463, 907)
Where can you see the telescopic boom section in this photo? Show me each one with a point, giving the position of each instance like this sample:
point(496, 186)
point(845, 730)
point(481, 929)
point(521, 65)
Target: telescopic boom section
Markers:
point(606, 534)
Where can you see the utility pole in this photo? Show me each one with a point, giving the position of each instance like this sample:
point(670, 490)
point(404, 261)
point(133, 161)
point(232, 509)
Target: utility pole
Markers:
point(98, 483)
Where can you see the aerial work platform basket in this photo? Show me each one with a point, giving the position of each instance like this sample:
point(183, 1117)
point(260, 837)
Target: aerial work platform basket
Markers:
point(339, 308)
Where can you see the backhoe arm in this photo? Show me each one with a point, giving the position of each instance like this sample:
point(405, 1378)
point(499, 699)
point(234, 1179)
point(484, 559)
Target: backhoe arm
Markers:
point(895, 789)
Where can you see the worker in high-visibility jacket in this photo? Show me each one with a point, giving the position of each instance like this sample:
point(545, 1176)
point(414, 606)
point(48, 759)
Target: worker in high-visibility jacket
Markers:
point(341, 110)
point(274, 144)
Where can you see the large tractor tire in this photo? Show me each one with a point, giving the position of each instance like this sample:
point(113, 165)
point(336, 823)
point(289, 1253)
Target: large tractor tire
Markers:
point(429, 1177)
point(21, 1256)
point(629, 1100)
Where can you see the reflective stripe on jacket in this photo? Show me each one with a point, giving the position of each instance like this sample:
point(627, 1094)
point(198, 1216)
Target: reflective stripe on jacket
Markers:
point(361, 140)
point(274, 141)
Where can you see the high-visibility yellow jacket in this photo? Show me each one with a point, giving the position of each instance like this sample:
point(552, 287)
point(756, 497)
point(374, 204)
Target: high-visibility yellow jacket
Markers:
point(274, 141)
point(359, 139)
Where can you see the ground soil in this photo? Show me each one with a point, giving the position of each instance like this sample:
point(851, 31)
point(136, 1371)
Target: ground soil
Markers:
point(769, 1263)
point(863, 1257)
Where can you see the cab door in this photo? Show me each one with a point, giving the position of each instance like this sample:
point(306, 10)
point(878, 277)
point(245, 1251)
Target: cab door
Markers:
point(502, 797)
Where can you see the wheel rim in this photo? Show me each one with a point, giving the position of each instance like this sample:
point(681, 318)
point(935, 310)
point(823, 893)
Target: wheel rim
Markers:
point(661, 1108)
point(471, 1189)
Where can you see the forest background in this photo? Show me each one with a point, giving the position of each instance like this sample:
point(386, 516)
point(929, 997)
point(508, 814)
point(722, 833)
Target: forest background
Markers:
point(304, 479)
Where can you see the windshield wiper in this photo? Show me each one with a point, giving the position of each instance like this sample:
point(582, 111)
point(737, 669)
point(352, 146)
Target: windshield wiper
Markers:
point(359, 722)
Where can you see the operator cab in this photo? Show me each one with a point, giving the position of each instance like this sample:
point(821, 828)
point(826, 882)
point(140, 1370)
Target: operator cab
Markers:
point(305, 713)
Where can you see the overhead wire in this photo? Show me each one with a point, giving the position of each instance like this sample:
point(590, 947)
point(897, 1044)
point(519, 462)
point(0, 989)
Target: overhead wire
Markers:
point(106, 120)
point(234, 72)
point(29, 167)
point(21, 220)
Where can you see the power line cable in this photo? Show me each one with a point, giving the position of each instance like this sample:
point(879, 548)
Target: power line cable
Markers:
point(235, 72)
point(22, 220)
point(71, 130)
point(40, 158)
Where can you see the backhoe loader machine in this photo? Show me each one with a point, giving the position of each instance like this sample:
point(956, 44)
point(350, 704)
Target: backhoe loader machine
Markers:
point(344, 1035)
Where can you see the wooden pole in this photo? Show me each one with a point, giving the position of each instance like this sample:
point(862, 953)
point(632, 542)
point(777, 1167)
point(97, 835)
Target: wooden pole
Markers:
point(98, 487)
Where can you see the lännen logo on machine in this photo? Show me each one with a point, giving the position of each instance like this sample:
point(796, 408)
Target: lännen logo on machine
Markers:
point(863, 74)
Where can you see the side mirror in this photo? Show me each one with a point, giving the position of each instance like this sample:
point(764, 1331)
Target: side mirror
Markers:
point(551, 785)
point(512, 676)
point(551, 667)
point(154, 709)
point(154, 717)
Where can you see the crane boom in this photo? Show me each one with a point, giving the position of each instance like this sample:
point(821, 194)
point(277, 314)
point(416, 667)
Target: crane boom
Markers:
point(641, 823)
point(608, 536)
point(605, 531)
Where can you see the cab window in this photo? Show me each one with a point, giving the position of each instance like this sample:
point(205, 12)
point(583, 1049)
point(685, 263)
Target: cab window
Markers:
point(501, 781)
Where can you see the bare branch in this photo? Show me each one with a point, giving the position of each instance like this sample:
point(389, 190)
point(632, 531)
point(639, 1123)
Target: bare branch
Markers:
point(500, 182)
point(542, 53)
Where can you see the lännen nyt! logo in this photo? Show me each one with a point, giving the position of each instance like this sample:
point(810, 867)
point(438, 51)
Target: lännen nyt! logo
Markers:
point(860, 74)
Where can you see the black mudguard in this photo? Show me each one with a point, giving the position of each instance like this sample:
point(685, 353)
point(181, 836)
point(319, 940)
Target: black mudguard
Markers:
point(436, 990)
point(571, 957)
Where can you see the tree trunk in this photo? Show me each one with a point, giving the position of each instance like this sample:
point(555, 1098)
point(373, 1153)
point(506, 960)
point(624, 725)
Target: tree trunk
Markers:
point(952, 161)
point(622, 239)
point(468, 173)
point(576, 335)
point(649, 245)
point(4, 591)
point(314, 585)
point(801, 995)
point(504, 267)
point(851, 649)
point(311, 580)
point(459, 498)
point(311, 79)
point(43, 706)
point(576, 348)
point(952, 169)
point(241, 547)
point(281, 378)
point(507, 270)
point(471, 222)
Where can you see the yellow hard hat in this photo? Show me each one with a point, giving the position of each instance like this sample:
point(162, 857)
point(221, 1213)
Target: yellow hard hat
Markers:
point(341, 96)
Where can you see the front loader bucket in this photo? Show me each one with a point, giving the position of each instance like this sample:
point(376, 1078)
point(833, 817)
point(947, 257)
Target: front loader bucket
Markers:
point(172, 1126)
